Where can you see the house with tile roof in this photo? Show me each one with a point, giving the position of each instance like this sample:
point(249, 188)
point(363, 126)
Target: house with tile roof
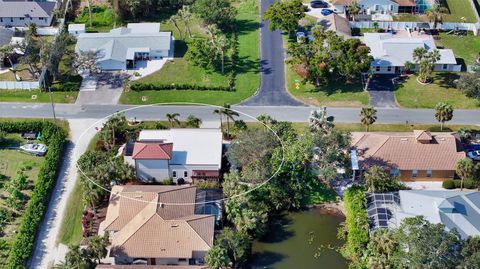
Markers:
point(390, 52)
point(122, 48)
point(183, 154)
point(417, 156)
point(158, 225)
point(20, 13)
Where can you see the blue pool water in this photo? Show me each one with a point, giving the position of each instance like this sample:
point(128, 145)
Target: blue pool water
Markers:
point(424, 5)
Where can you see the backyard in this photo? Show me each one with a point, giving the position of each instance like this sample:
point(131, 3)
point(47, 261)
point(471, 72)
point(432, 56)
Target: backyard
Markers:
point(181, 71)
point(465, 47)
point(13, 165)
point(457, 9)
point(334, 94)
point(411, 94)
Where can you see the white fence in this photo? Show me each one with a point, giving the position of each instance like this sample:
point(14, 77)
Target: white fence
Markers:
point(45, 31)
point(19, 85)
point(400, 25)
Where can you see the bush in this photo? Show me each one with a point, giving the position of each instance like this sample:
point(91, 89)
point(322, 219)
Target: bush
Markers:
point(139, 86)
point(207, 184)
point(54, 137)
point(457, 183)
point(470, 184)
point(448, 184)
point(168, 181)
point(356, 222)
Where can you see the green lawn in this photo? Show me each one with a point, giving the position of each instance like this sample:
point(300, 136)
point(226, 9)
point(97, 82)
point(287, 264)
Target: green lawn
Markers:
point(335, 94)
point(71, 228)
point(465, 47)
point(412, 94)
point(103, 18)
point(182, 71)
point(42, 97)
point(22, 72)
point(457, 10)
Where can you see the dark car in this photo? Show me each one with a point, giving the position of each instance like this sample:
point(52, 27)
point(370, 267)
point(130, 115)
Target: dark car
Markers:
point(326, 12)
point(318, 4)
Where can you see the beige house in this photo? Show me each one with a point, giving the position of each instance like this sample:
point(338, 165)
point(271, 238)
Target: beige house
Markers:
point(417, 156)
point(157, 225)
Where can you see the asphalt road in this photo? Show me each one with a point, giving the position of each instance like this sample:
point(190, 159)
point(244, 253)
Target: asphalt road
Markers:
point(286, 113)
point(272, 90)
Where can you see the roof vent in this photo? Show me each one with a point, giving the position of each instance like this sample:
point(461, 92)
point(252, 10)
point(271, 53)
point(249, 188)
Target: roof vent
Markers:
point(403, 139)
point(174, 225)
point(138, 196)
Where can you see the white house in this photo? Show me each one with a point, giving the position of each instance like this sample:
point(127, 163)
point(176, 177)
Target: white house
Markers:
point(76, 29)
point(188, 154)
point(121, 48)
point(21, 13)
point(391, 52)
point(377, 6)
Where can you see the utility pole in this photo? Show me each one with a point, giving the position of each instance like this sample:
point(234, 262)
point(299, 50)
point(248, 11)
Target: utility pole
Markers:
point(43, 80)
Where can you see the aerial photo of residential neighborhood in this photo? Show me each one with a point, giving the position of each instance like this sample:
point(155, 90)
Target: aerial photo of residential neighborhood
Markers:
point(231, 134)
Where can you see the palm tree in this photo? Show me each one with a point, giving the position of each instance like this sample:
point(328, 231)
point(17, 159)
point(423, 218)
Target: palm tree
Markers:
point(465, 169)
point(443, 113)
point(353, 8)
point(436, 13)
point(186, 14)
point(318, 120)
point(32, 29)
point(219, 112)
point(173, 118)
point(89, 6)
point(212, 32)
point(193, 121)
point(266, 120)
point(174, 20)
point(97, 247)
point(229, 115)
point(368, 116)
point(221, 44)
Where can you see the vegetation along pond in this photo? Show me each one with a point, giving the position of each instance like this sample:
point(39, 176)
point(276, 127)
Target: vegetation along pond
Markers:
point(305, 239)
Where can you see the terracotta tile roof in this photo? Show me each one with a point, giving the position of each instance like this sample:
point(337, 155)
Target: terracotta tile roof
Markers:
point(157, 222)
point(406, 3)
point(407, 152)
point(152, 151)
point(399, 2)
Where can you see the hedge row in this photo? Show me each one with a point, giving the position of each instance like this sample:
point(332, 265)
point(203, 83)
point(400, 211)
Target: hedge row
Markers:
point(54, 137)
point(138, 86)
point(356, 221)
point(450, 184)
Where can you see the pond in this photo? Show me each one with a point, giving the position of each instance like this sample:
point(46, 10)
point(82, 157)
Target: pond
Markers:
point(293, 241)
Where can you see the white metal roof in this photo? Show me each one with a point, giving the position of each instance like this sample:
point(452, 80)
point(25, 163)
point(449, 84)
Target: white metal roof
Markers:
point(388, 50)
point(190, 146)
point(72, 27)
point(147, 27)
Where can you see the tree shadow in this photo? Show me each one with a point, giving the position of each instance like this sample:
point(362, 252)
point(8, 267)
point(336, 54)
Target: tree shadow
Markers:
point(446, 80)
point(181, 48)
point(243, 27)
point(278, 230)
point(339, 87)
point(266, 259)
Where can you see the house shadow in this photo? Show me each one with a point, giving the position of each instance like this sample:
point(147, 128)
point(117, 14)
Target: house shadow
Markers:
point(181, 48)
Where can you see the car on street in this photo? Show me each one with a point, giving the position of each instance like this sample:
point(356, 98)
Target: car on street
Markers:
point(35, 149)
point(326, 12)
point(318, 4)
point(474, 155)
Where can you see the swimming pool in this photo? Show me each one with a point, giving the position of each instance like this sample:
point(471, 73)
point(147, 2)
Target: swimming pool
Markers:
point(424, 5)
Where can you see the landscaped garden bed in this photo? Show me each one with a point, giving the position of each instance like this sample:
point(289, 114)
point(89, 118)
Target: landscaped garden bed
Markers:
point(25, 186)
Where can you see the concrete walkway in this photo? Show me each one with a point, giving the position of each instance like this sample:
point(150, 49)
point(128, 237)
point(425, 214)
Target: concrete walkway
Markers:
point(45, 245)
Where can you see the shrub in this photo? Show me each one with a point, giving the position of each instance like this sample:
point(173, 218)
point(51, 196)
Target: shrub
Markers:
point(139, 86)
point(457, 183)
point(207, 184)
point(448, 184)
point(168, 181)
point(54, 137)
point(356, 222)
point(470, 184)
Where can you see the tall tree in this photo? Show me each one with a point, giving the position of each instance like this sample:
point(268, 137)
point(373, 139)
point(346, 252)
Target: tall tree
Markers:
point(425, 61)
point(219, 112)
point(465, 169)
point(185, 14)
point(368, 116)
point(379, 180)
point(219, 12)
point(319, 121)
point(173, 118)
point(436, 13)
point(353, 8)
point(266, 120)
point(217, 257)
point(97, 247)
point(469, 84)
point(193, 121)
point(285, 15)
point(174, 19)
point(443, 113)
point(229, 115)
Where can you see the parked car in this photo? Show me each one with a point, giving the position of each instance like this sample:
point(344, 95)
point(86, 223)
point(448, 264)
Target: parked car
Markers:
point(318, 4)
point(474, 155)
point(326, 12)
point(472, 147)
point(35, 149)
point(301, 37)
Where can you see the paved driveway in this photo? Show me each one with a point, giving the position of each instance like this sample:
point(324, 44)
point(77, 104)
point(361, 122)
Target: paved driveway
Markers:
point(272, 90)
point(381, 91)
point(108, 90)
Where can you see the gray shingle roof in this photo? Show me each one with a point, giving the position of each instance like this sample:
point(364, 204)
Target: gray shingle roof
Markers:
point(19, 9)
point(5, 36)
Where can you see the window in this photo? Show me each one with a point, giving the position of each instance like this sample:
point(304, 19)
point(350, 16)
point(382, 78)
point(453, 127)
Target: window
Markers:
point(389, 69)
point(376, 7)
point(377, 68)
point(429, 173)
point(391, 7)
point(21, 18)
point(185, 173)
point(394, 172)
point(174, 174)
point(414, 173)
point(445, 67)
point(11, 19)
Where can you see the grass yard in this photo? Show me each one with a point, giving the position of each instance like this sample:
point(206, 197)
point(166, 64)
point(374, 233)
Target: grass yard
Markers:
point(103, 19)
point(180, 71)
point(465, 47)
point(71, 228)
point(412, 94)
point(457, 10)
point(42, 97)
point(22, 72)
point(12, 161)
point(345, 95)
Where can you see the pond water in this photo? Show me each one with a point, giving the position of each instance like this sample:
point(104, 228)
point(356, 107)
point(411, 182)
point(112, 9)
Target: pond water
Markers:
point(294, 239)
